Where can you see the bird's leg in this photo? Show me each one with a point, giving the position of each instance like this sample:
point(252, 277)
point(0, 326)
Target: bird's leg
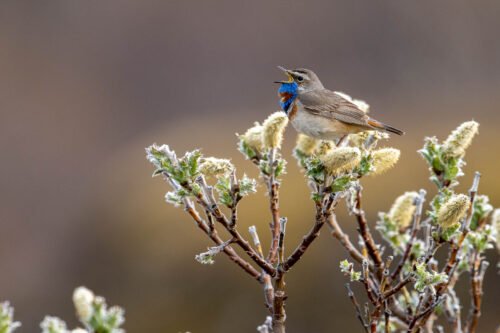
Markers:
point(343, 141)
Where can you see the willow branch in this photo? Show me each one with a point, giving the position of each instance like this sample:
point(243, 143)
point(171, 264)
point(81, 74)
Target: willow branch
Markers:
point(273, 189)
point(268, 285)
point(413, 324)
point(212, 233)
point(364, 230)
point(215, 211)
point(321, 216)
point(343, 238)
point(355, 302)
point(397, 288)
point(476, 289)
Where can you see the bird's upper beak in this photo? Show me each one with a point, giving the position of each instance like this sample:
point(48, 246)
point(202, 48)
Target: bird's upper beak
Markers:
point(288, 73)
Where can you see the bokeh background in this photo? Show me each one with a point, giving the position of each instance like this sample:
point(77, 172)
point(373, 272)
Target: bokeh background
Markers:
point(86, 85)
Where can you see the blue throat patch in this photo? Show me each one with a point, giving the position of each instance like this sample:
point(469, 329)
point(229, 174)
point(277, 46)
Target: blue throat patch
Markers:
point(288, 92)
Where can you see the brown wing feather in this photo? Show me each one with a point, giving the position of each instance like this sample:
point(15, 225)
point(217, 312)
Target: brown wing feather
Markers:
point(326, 103)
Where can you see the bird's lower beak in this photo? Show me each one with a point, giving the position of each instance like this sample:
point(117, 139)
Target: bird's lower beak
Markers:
point(288, 73)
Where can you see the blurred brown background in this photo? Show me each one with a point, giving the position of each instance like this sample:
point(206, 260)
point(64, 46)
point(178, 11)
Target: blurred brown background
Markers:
point(86, 85)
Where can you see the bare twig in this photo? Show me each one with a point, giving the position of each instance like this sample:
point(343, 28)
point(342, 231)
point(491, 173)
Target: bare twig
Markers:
point(212, 233)
point(256, 240)
point(343, 238)
point(387, 316)
point(281, 243)
point(311, 235)
point(454, 311)
point(227, 249)
point(368, 284)
point(397, 288)
point(364, 230)
point(354, 301)
point(413, 324)
point(238, 239)
point(477, 277)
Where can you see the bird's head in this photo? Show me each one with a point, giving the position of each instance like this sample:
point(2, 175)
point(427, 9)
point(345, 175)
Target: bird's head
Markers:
point(305, 79)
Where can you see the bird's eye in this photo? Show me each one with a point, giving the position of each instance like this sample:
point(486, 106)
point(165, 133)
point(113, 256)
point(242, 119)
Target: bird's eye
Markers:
point(300, 78)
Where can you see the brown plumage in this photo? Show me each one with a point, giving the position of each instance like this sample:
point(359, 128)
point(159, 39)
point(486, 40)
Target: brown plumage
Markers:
point(328, 104)
point(324, 114)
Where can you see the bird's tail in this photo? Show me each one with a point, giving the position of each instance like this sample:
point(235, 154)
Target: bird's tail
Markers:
point(378, 125)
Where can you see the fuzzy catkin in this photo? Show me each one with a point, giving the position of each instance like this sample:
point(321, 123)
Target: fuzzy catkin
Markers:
point(306, 144)
point(460, 139)
point(273, 130)
point(384, 159)
point(82, 300)
point(341, 159)
point(253, 137)
point(211, 166)
point(453, 210)
point(324, 146)
point(402, 209)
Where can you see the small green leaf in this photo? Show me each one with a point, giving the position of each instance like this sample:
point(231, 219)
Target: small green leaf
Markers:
point(341, 183)
point(280, 168)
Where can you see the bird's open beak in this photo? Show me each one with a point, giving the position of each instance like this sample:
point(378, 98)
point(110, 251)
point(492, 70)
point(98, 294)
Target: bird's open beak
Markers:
point(288, 73)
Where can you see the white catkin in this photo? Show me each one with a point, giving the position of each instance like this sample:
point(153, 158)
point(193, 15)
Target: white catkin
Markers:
point(384, 159)
point(273, 129)
point(403, 209)
point(460, 139)
point(253, 137)
point(82, 300)
point(341, 159)
point(453, 210)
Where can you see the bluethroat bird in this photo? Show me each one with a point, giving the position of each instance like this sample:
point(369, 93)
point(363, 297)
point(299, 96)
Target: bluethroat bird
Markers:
point(321, 113)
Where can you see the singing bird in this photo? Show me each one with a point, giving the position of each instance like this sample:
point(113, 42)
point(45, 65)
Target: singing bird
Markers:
point(321, 113)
